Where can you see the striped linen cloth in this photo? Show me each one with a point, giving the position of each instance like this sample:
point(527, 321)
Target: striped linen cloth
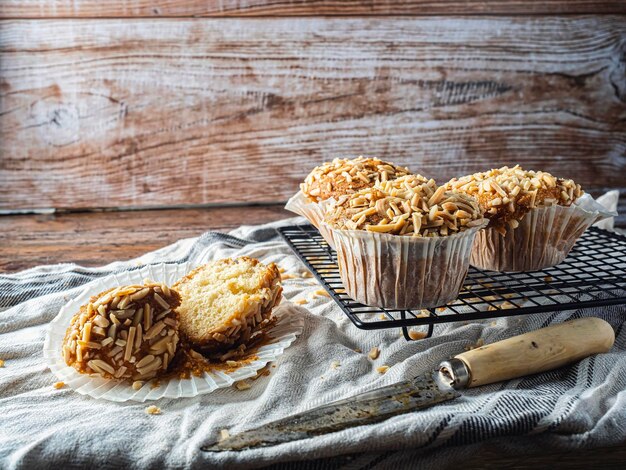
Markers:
point(40, 427)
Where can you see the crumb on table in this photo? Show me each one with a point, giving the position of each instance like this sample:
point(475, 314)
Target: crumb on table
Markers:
point(224, 434)
point(242, 385)
point(59, 385)
point(415, 335)
point(321, 292)
point(153, 410)
point(300, 301)
point(374, 353)
point(1, 363)
point(335, 365)
point(382, 369)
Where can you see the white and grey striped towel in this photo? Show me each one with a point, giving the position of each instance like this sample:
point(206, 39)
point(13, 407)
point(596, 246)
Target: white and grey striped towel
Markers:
point(40, 427)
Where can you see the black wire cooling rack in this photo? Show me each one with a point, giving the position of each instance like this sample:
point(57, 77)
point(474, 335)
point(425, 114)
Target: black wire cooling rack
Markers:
point(594, 274)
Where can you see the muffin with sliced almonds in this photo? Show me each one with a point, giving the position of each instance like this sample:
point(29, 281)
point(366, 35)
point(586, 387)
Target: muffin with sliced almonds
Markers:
point(402, 245)
point(343, 176)
point(338, 179)
point(534, 218)
point(227, 301)
point(125, 333)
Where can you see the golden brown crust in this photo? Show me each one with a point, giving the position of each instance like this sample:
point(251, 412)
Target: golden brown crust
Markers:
point(241, 323)
point(344, 176)
point(420, 210)
point(506, 194)
point(127, 332)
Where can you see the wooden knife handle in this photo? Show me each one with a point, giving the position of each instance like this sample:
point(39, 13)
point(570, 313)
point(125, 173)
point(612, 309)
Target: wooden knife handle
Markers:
point(538, 351)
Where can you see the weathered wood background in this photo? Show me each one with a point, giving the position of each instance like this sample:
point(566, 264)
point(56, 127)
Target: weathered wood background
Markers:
point(104, 112)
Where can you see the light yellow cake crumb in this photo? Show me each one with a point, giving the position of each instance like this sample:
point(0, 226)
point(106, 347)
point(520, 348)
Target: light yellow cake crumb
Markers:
point(300, 301)
point(153, 410)
point(1, 363)
point(382, 369)
point(59, 385)
point(306, 274)
point(224, 434)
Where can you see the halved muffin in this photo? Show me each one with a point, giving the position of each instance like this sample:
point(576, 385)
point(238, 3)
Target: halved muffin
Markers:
point(123, 333)
point(225, 301)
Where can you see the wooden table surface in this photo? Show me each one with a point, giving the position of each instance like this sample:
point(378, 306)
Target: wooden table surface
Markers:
point(97, 238)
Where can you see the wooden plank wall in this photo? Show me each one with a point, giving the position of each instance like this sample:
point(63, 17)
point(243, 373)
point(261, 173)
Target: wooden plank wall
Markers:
point(102, 107)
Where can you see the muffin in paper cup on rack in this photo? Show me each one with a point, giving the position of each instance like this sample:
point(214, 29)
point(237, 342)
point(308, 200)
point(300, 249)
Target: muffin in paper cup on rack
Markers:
point(404, 246)
point(333, 181)
point(534, 217)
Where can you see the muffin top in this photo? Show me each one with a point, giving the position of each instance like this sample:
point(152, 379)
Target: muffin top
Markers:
point(343, 176)
point(507, 194)
point(421, 211)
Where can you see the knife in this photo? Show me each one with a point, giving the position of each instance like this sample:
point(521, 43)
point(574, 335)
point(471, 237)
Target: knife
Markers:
point(526, 354)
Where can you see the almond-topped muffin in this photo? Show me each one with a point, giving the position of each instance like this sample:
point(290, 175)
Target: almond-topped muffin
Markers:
point(406, 248)
point(344, 176)
point(129, 332)
point(423, 210)
point(506, 194)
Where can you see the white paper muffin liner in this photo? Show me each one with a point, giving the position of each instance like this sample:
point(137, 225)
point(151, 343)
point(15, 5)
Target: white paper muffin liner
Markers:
point(313, 212)
point(403, 272)
point(543, 238)
point(288, 326)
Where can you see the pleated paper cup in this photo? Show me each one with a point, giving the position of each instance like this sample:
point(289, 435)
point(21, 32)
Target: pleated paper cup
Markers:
point(403, 272)
point(543, 238)
point(288, 326)
point(313, 212)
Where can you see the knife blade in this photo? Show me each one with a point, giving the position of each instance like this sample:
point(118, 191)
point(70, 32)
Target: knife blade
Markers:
point(530, 353)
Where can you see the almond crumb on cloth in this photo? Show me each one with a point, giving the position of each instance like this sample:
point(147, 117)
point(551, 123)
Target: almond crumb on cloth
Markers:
point(1, 363)
point(59, 385)
point(374, 353)
point(415, 335)
point(300, 301)
point(153, 410)
point(306, 274)
point(478, 344)
point(322, 293)
point(137, 385)
point(242, 385)
point(382, 369)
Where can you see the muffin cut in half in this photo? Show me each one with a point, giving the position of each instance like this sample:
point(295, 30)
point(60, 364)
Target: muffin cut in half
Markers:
point(225, 301)
point(123, 333)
